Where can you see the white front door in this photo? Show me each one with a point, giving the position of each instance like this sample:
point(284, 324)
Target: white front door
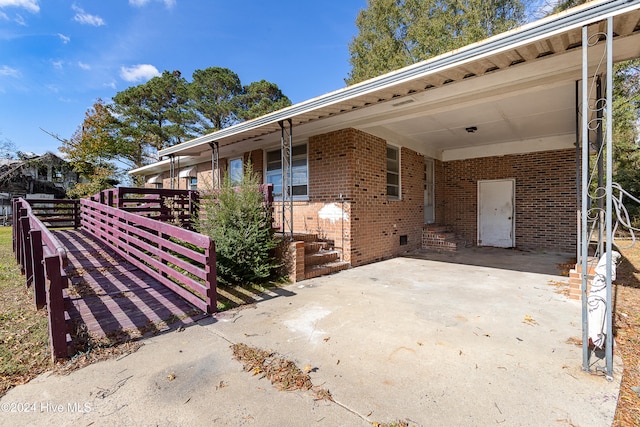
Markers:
point(496, 213)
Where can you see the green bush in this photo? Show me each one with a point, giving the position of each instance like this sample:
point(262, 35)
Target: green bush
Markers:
point(240, 224)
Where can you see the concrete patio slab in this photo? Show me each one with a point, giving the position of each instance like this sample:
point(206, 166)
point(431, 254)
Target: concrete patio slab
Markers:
point(428, 342)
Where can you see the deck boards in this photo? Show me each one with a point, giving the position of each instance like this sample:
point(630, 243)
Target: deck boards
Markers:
point(113, 299)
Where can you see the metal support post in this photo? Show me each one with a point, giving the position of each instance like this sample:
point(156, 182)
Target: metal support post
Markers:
point(585, 197)
point(286, 141)
point(172, 171)
point(215, 165)
point(597, 208)
point(609, 190)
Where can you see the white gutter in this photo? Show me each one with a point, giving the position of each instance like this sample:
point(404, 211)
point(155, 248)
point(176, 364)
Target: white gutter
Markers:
point(577, 17)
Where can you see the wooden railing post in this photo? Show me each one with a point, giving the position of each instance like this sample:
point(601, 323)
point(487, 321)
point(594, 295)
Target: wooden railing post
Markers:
point(120, 198)
point(76, 214)
point(15, 213)
point(27, 252)
point(194, 203)
point(55, 307)
point(39, 289)
point(211, 282)
point(24, 227)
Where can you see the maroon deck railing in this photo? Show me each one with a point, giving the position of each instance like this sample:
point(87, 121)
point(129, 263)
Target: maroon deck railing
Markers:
point(42, 259)
point(150, 227)
point(56, 213)
point(179, 207)
point(182, 260)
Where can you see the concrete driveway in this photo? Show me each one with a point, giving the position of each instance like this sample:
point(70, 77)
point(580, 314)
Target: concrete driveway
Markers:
point(427, 342)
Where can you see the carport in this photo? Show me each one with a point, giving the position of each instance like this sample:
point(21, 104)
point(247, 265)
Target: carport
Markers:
point(524, 107)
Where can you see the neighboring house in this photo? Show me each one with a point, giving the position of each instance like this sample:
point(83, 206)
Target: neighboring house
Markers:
point(485, 139)
point(35, 174)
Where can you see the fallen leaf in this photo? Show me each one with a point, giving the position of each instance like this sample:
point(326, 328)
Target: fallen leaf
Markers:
point(529, 320)
point(171, 377)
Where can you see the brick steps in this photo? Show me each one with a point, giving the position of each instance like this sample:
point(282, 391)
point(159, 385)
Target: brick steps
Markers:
point(321, 257)
point(313, 247)
point(440, 238)
point(323, 269)
point(313, 257)
point(575, 278)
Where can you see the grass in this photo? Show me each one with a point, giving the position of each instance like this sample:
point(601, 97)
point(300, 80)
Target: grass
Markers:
point(24, 334)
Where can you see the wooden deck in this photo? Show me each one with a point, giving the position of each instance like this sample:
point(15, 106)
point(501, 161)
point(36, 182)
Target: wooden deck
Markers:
point(111, 299)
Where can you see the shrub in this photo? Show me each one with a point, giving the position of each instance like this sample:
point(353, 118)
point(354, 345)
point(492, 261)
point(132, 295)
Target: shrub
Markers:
point(236, 218)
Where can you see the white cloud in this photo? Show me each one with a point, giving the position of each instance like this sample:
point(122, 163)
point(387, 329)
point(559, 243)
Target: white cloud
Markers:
point(20, 20)
point(31, 5)
point(139, 3)
point(86, 18)
point(65, 39)
point(57, 64)
point(5, 70)
point(84, 66)
point(3, 16)
point(111, 85)
point(137, 73)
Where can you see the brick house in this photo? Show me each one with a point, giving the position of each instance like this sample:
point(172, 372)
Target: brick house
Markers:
point(484, 141)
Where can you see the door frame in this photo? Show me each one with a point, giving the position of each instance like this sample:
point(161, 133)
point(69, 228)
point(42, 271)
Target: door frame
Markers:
point(430, 181)
point(513, 208)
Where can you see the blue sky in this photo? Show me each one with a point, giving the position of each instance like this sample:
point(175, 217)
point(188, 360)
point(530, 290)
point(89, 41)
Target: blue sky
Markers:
point(58, 56)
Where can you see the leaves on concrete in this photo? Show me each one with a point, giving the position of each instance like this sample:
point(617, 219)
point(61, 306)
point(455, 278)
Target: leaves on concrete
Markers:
point(529, 320)
point(283, 373)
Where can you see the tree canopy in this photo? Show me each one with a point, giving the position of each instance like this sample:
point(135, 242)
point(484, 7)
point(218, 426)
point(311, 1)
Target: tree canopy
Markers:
point(396, 33)
point(162, 112)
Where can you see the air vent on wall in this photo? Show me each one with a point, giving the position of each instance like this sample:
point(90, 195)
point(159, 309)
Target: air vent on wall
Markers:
point(406, 101)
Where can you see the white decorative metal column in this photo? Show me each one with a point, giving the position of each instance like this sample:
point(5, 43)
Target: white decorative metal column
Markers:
point(596, 135)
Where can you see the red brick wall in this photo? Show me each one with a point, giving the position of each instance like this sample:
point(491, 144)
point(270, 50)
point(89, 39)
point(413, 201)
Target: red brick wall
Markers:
point(545, 196)
point(378, 223)
point(352, 163)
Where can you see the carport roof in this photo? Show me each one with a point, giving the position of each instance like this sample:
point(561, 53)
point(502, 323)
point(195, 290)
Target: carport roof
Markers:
point(546, 38)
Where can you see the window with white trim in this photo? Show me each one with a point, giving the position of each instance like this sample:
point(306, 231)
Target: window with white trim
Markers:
point(193, 183)
point(299, 171)
point(393, 173)
point(235, 170)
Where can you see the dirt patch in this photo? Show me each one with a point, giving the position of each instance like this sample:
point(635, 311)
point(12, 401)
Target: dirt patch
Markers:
point(96, 354)
point(626, 323)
